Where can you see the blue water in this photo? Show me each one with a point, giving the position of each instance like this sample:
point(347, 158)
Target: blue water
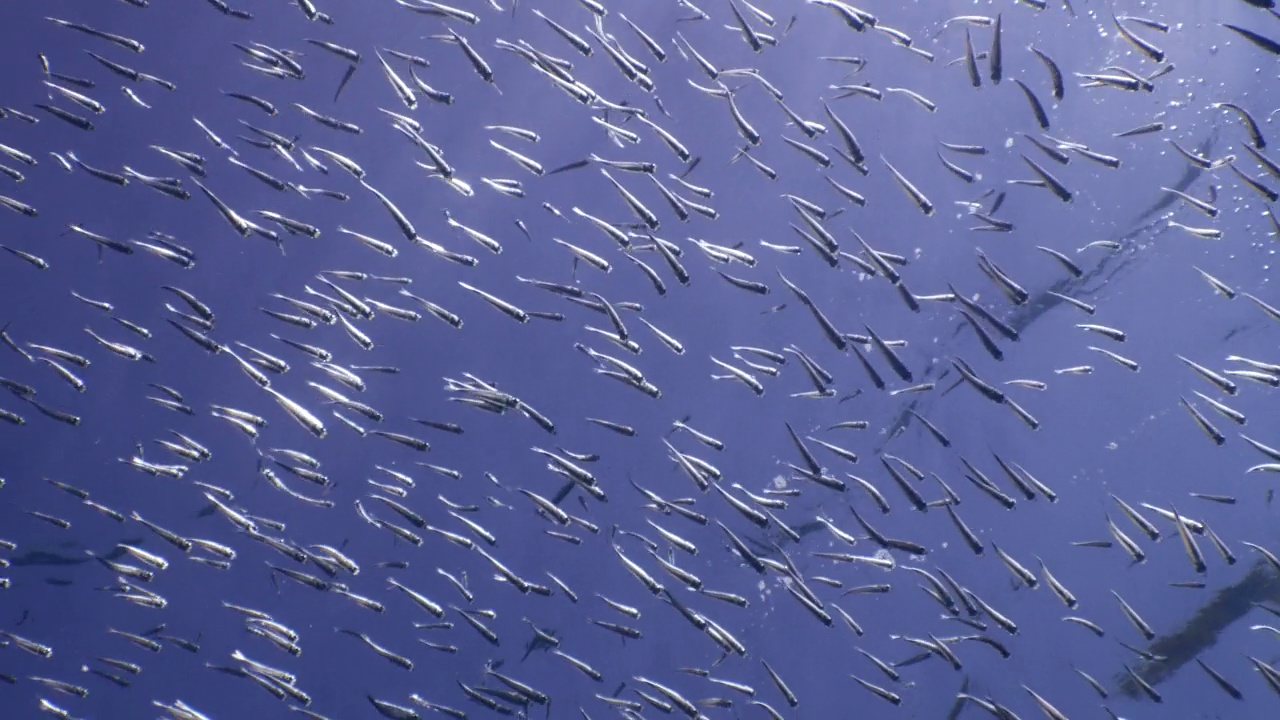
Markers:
point(1109, 432)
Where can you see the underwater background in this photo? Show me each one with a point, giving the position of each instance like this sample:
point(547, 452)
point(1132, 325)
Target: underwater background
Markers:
point(923, 153)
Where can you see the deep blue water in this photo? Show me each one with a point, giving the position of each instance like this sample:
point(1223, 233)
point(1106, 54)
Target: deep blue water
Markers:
point(1109, 432)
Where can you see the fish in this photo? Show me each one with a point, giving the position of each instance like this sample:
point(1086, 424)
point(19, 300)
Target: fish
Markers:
point(704, 506)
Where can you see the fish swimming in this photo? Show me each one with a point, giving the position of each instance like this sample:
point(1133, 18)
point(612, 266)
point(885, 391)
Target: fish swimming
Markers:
point(720, 508)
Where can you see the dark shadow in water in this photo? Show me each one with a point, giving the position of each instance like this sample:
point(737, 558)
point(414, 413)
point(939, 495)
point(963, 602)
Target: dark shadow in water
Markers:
point(1202, 630)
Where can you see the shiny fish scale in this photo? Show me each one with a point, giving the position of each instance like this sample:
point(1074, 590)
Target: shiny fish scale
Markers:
point(1077, 195)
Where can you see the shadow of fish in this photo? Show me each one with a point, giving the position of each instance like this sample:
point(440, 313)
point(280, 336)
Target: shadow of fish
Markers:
point(47, 558)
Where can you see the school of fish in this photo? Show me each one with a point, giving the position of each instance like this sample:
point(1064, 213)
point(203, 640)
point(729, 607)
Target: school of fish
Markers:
point(637, 358)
